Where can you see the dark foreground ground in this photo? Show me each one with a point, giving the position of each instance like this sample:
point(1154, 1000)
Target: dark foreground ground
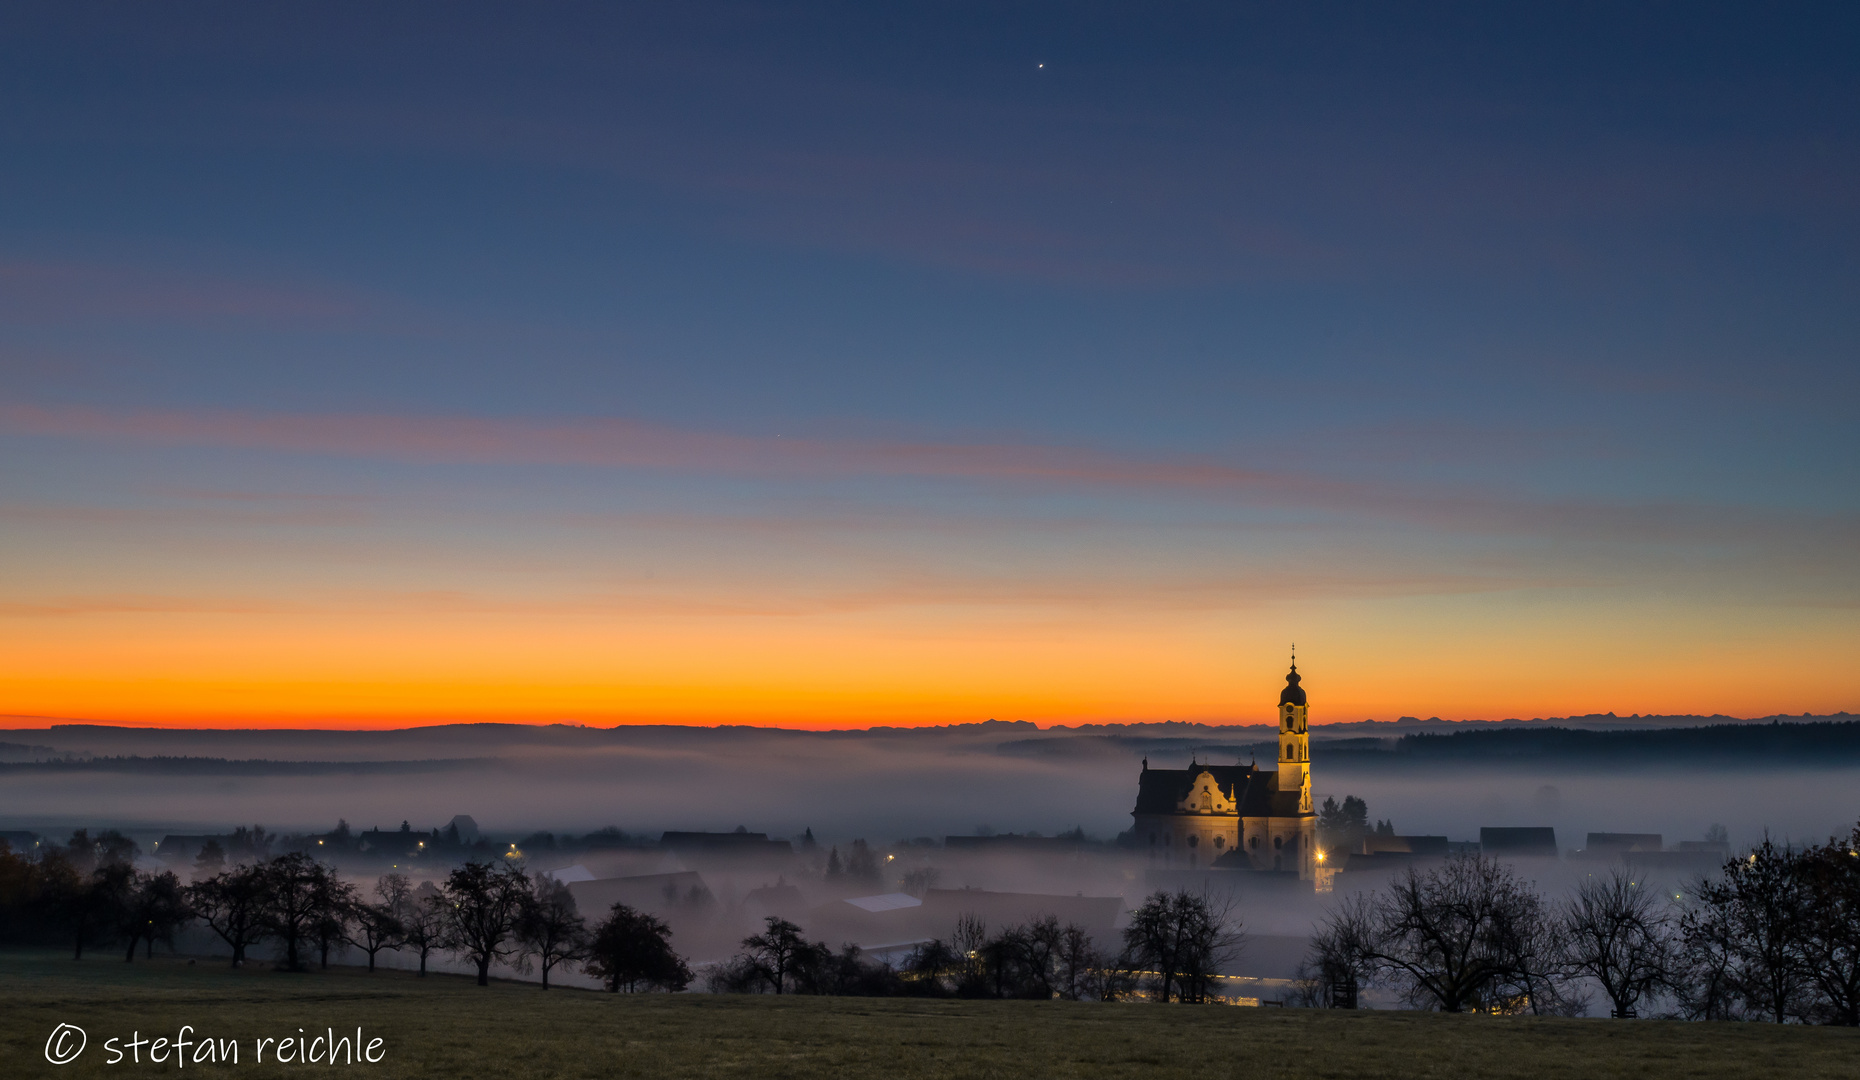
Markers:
point(445, 1026)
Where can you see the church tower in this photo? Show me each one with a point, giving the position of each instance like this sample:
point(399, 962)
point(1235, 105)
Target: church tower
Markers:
point(1239, 816)
point(1294, 741)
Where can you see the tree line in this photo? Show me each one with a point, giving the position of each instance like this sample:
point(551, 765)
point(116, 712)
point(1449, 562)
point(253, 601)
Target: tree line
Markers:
point(88, 893)
point(1775, 936)
point(1171, 951)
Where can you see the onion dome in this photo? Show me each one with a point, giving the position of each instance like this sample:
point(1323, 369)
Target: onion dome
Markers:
point(1293, 694)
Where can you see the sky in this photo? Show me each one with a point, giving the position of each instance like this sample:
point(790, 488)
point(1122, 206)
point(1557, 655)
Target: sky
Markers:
point(844, 365)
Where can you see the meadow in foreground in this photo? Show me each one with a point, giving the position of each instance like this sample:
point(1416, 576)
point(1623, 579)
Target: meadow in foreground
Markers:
point(446, 1026)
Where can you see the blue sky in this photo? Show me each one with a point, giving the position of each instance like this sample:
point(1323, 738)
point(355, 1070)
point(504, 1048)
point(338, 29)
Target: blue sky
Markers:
point(1542, 305)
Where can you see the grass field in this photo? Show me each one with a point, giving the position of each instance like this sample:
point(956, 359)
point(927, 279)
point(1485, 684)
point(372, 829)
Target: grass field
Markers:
point(445, 1026)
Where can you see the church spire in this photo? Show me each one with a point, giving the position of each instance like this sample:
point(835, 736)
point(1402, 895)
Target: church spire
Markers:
point(1295, 739)
point(1293, 694)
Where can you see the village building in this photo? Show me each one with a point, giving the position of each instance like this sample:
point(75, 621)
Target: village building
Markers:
point(1237, 816)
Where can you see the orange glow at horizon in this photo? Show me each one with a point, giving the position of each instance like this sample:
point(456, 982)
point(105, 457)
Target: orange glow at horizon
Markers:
point(899, 584)
point(407, 669)
point(748, 370)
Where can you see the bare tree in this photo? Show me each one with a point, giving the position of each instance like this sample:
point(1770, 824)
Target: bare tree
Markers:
point(232, 904)
point(1005, 956)
point(485, 904)
point(395, 891)
point(153, 909)
point(1038, 960)
point(968, 945)
point(80, 901)
point(375, 927)
point(1704, 981)
point(1076, 962)
point(1830, 932)
point(1745, 927)
point(1615, 932)
point(1340, 961)
point(550, 928)
point(632, 951)
point(850, 973)
point(1183, 938)
point(1465, 934)
point(88, 884)
point(336, 905)
point(1115, 978)
point(1040, 942)
point(425, 920)
point(294, 895)
point(929, 965)
point(776, 950)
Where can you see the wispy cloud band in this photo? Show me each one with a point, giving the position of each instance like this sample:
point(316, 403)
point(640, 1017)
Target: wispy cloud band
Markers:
point(616, 443)
point(632, 444)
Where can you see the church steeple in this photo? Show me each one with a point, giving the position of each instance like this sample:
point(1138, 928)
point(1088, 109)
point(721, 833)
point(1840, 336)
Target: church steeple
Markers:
point(1295, 739)
point(1293, 694)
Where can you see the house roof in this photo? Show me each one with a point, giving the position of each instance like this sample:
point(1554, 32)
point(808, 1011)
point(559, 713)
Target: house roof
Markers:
point(1538, 840)
point(1256, 791)
point(568, 875)
point(648, 892)
point(942, 907)
point(885, 902)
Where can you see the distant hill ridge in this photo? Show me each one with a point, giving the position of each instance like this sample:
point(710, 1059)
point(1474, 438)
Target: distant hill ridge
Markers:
point(445, 746)
point(1319, 729)
point(1831, 742)
point(212, 766)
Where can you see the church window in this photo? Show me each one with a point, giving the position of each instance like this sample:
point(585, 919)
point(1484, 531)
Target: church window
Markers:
point(1194, 841)
point(1256, 843)
point(1278, 842)
point(1220, 841)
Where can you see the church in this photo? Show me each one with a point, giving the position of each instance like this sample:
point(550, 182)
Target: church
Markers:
point(1236, 816)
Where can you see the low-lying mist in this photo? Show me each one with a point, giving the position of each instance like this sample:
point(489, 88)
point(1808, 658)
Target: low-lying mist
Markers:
point(882, 785)
point(888, 787)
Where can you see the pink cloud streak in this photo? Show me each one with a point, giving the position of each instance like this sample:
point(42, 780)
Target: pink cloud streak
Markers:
point(612, 443)
point(616, 443)
point(37, 290)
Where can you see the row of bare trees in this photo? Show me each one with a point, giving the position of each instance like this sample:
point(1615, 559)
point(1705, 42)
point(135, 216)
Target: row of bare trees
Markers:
point(1774, 935)
point(483, 914)
point(1039, 960)
point(89, 892)
point(1172, 951)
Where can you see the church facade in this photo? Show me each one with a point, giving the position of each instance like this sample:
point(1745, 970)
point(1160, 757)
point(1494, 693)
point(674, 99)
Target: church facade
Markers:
point(1236, 816)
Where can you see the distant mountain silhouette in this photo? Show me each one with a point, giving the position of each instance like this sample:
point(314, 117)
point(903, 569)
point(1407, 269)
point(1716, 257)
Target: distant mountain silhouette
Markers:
point(209, 766)
point(1830, 741)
